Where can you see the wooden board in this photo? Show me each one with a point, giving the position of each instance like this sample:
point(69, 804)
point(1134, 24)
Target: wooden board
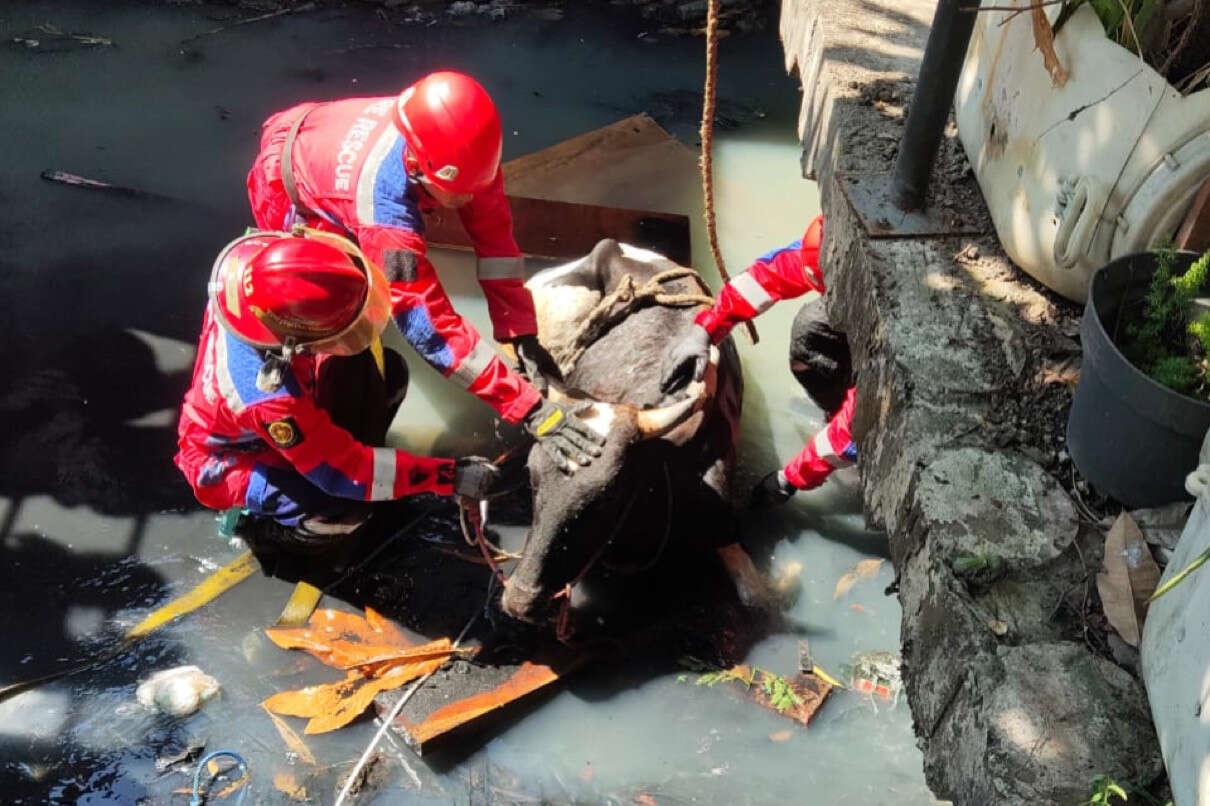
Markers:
point(810, 690)
point(630, 180)
point(632, 163)
point(556, 230)
point(455, 699)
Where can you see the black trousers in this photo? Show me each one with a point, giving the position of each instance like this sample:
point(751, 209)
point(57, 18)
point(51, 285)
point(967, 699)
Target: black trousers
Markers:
point(819, 357)
point(358, 397)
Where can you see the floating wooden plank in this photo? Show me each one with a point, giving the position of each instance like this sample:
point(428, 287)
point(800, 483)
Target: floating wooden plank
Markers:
point(632, 163)
point(811, 691)
point(607, 178)
point(301, 604)
point(798, 697)
point(555, 230)
point(453, 701)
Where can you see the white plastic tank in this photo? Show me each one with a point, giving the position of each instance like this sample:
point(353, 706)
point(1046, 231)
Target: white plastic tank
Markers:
point(1175, 652)
point(1103, 166)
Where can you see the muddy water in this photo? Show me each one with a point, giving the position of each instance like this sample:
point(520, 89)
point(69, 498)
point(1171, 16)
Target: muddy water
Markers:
point(101, 298)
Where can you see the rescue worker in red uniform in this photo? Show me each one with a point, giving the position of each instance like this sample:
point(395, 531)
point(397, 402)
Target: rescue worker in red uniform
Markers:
point(819, 357)
point(289, 316)
point(366, 168)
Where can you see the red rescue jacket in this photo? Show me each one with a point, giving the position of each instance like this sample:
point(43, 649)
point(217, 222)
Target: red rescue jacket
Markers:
point(348, 161)
point(785, 273)
point(228, 426)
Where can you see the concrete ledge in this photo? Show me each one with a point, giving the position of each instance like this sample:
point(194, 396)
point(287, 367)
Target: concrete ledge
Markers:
point(953, 420)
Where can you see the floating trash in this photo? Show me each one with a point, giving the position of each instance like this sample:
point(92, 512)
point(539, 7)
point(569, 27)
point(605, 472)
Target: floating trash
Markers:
point(177, 692)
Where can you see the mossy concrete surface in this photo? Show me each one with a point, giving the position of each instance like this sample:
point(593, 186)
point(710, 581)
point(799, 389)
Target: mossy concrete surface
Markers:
point(959, 445)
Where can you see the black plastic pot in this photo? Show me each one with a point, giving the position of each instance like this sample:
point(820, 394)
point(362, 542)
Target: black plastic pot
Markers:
point(1130, 437)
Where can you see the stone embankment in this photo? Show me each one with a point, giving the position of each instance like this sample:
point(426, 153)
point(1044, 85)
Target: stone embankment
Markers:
point(959, 426)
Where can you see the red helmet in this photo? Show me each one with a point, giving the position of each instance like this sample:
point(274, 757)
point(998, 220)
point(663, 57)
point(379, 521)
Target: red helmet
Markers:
point(311, 290)
point(453, 130)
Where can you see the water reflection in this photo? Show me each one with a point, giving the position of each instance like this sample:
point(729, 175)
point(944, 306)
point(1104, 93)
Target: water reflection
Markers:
point(619, 734)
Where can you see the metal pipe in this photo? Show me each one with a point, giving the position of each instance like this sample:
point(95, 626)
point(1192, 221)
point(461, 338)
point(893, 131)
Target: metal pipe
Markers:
point(953, 23)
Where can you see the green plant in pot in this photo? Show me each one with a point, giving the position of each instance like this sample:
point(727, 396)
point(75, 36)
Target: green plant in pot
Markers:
point(1171, 339)
point(1142, 407)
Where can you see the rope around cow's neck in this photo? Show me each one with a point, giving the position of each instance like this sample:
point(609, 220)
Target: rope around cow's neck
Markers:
point(608, 312)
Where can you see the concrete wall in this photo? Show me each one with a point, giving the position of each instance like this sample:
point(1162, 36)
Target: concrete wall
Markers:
point(953, 425)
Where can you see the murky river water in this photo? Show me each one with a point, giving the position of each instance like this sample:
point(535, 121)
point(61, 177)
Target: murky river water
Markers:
point(101, 299)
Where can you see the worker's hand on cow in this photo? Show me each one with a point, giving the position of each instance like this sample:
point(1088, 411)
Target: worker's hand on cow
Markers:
point(563, 435)
point(686, 361)
point(535, 363)
point(772, 491)
point(474, 477)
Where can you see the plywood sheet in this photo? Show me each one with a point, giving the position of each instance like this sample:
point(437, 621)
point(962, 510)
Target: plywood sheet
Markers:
point(558, 230)
point(634, 164)
point(629, 180)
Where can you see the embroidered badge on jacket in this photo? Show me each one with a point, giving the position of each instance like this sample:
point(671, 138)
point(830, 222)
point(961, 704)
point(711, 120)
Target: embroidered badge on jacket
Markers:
point(284, 432)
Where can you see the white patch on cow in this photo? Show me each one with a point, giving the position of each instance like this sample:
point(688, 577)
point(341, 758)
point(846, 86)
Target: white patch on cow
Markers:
point(566, 293)
point(640, 254)
point(560, 310)
point(599, 417)
point(545, 277)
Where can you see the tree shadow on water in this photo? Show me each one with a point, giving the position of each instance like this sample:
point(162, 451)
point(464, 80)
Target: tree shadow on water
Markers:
point(65, 739)
point(95, 426)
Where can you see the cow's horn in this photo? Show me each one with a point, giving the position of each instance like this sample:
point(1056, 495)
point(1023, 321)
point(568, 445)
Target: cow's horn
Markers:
point(655, 423)
point(556, 395)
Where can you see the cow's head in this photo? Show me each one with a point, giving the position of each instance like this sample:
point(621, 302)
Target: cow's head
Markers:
point(578, 514)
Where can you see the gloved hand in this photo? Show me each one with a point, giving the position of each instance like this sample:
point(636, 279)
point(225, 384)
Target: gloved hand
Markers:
point(474, 477)
point(686, 361)
point(535, 363)
point(773, 491)
point(563, 435)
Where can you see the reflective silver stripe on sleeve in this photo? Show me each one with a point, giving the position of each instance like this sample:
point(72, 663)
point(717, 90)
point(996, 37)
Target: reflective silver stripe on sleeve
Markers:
point(472, 366)
point(501, 268)
point(751, 291)
point(383, 486)
point(823, 449)
point(369, 173)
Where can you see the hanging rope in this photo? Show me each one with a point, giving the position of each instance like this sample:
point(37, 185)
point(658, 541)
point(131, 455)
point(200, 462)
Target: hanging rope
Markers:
point(707, 132)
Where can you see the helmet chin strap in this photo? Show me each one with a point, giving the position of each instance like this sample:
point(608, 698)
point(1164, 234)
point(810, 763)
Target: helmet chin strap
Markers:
point(272, 373)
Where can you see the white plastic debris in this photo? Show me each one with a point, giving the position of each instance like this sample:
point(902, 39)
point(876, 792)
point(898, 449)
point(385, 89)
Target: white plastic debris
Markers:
point(177, 692)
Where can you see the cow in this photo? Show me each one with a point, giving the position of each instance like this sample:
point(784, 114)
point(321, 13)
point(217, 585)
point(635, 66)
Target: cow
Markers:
point(664, 476)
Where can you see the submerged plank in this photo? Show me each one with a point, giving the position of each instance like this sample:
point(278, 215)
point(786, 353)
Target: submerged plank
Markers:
point(633, 163)
point(456, 699)
point(809, 692)
point(556, 230)
point(630, 180)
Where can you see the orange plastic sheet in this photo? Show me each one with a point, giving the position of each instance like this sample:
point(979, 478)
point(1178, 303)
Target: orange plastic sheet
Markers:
point(374, 653)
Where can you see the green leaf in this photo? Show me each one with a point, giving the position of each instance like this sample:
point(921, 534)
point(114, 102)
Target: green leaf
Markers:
point(1110, 13)
point(1195, 564)
point(1143, 19)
